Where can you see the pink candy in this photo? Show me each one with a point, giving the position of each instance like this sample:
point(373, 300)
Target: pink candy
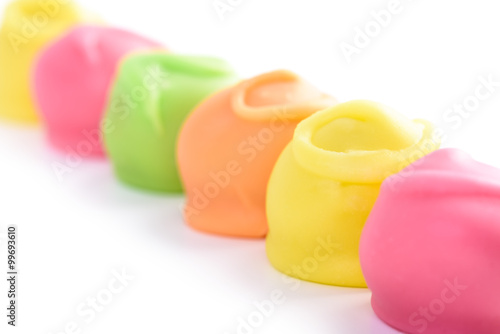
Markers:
point(71, 82)
point(430, 250)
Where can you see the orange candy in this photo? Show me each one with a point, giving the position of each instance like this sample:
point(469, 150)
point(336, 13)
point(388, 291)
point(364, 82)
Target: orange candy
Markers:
point(229, 145)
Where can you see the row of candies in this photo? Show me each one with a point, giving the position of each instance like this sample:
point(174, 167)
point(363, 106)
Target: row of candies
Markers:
point(351, 194)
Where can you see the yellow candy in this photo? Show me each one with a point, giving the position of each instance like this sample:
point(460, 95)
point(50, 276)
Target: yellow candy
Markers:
point(28, 25)
point(326, 182)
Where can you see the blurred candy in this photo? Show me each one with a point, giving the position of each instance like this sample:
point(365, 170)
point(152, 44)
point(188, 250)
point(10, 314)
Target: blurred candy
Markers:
point(326, 182)
point(27, 27)
point(429, 250)
point(150, 100)
point(72, 78)
point(229, 145)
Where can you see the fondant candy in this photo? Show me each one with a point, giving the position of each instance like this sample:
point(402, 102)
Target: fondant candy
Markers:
point(71, 82)
point(430, 248)
point(326, 181)
point(229, 145)
point(152, 95)
point(29, 25)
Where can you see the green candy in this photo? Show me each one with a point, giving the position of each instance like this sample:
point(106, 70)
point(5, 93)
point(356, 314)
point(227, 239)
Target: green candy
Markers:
point(152, 95)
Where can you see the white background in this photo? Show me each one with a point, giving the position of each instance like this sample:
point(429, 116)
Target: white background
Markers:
point(75, 233)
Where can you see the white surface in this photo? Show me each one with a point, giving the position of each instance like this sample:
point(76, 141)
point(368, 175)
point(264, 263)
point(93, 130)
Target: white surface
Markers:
point(74, 234)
